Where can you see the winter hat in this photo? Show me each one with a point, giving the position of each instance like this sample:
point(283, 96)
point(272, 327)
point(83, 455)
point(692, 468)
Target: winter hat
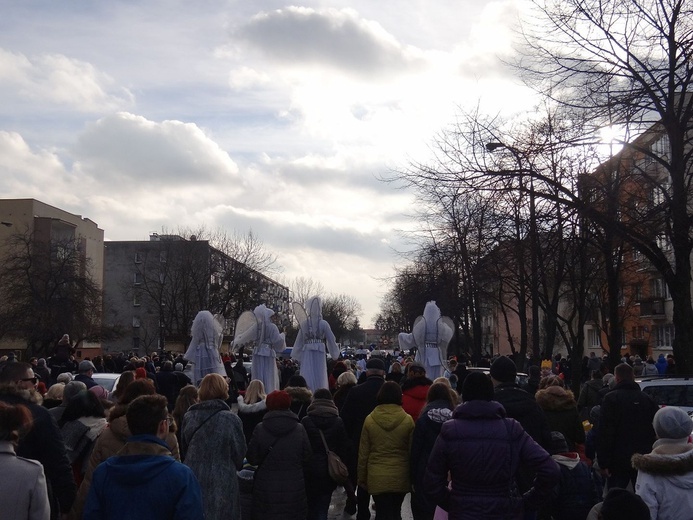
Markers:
point(278, 400)
point(64, 377)
point(140, 373)
point(504, 370)
point(558, 444)
point(99, 391)
point(86, 366)
point(477, 387)
point(375, 364)
point(671, 422)
point(65, 340)
point(621, 504)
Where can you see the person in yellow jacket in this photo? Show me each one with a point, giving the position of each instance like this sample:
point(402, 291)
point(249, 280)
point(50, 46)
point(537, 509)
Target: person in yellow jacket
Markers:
point(383, 466)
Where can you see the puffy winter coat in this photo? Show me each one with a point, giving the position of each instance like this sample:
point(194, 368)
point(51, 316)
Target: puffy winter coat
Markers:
point(281, 449)
point(482, 451)
point(561, 411)
point(384, 450)
point(665, 480)
point(214, 446)
point(522, 407)
point(426, 432)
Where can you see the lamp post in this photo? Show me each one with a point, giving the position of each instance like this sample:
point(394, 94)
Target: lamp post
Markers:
point(534, 280)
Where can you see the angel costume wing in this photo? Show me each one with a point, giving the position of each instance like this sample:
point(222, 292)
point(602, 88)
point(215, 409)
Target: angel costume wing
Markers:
point(247, 329)
point(300, 313)
point(408, 340)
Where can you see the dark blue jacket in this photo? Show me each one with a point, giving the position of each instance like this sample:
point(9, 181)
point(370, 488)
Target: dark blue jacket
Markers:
point(144, 482)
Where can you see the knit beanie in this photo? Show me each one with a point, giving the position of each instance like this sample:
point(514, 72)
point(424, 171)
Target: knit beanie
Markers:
point(477, 387)
point(504, 370)
point(278, 400)
point(671, 422)
point(558, 444)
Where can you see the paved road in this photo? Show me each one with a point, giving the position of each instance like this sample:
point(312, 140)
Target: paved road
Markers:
point(336, 511)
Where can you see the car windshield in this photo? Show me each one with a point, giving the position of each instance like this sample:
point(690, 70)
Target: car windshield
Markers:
point(107, 382)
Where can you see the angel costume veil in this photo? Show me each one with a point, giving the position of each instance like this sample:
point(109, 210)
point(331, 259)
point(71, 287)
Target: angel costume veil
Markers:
point(315, 337)
point(430, 335)
point(203, 352)
point(256, 327)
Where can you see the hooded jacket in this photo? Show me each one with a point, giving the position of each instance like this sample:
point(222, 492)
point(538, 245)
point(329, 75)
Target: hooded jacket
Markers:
point(144, 481)
point(483, 451)
point(384, 450)
point(281, 450)
point(300, 400)
point(251, 415)
point(414, 392)
point(576, 494)
point(665, 480)
point(426, 431)
point(561, 411)
point(112, 439)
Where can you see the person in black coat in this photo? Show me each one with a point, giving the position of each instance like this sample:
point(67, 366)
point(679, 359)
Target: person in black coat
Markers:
point(361, 401)
point(625, 428)
point(44, 442)
point(323, 416)
point(281, 450)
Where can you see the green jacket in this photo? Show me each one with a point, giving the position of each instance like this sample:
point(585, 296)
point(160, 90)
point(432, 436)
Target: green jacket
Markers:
point(384, 450)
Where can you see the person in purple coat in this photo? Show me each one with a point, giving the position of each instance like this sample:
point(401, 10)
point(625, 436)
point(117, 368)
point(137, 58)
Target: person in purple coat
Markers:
point(482, 450)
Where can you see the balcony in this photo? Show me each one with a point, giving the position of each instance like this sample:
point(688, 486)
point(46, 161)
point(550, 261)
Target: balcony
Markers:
point(652, 307)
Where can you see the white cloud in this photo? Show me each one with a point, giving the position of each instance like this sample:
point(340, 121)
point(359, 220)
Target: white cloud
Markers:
point(334, 38)
point(130, 148)
point(47, 79)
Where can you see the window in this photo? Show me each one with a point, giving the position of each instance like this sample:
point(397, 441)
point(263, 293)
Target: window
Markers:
point(637, 292)
point(621, 297)
point(135, 344)
point(661, 147)
point(162, 257)
point(638, 332)
point(135, 322)
point(136, 300)
point(594, 338)
point(138, 257)
point(138, 278)
point(663, 242)
point(637, 255)
point(658, 289)
point(664, 335)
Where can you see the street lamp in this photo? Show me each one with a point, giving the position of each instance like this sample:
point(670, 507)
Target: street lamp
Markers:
point(534, 281)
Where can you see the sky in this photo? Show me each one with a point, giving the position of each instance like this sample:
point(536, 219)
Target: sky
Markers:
point(154, 115)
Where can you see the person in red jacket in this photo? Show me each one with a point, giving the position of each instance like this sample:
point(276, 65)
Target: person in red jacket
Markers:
point(414, 389)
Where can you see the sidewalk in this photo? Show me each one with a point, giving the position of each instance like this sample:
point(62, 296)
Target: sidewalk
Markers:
point(336, 511)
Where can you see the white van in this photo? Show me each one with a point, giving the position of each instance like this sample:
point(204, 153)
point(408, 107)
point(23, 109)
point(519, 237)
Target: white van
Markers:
point(669, 391)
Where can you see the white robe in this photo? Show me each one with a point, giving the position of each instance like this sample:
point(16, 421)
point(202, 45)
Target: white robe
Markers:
point(310, 353)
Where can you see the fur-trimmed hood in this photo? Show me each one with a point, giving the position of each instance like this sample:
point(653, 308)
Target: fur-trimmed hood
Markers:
point(299, 393)
point(32, 396)
point(674, 464)
point(555, 398)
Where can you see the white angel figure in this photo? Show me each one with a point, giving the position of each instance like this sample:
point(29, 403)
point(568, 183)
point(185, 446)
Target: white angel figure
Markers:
point(256, 327)
point(430, 335)
point(315, 337)
point(203, 352)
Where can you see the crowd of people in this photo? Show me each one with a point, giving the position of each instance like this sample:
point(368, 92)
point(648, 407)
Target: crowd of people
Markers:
point(466, 443)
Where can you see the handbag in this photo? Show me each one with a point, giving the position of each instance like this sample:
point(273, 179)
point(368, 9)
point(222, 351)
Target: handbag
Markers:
point(335, 467)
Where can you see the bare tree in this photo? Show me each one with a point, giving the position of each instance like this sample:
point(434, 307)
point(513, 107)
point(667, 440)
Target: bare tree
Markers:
point(46, 290)
point(628, 63)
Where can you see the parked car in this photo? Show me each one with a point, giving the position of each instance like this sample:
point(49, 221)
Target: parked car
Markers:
point(521, 378)
point(108, 381)
point(669, 391)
